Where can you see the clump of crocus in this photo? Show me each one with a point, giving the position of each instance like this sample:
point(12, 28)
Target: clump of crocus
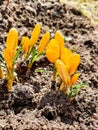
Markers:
point(31, 52)
point(9, 54)
point(28, 43)
point(65, 63)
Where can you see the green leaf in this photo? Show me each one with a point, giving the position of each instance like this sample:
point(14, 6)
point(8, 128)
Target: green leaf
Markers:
point(41, 71)
point(17, 54)
point(34, 52)
point(78, 86)
point(75, 89)
point(36, 56)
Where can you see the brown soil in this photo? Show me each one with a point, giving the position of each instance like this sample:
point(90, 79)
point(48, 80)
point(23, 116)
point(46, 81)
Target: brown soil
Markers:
point(32, 105)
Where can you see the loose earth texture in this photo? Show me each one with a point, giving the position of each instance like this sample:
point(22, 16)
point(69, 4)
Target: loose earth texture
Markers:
point(32, 105)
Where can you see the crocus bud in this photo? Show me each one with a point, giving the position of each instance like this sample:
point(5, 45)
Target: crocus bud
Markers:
point(60, 39)
point(25, 44)
point(43, 42)
point(12, 40)
point(35, 35)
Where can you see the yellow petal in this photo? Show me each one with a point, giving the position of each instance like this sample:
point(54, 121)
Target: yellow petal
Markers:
point(65, 54)
point(51, 55)
point(8, 57)
point(25, 44)
point(43, 42)
point(60, 39)
point(35, 35)
point(12, 40)
point(52, 51)
point(74, 79)
point(52, 43)
point(74, 61)
point(62, 71)
point(62, 86)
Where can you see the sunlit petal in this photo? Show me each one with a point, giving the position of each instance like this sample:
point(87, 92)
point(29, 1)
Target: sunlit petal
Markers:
point(53, 51)
point(65, 54)
point(25, 44)
point(35, 35)
point(8, 57)
point(74, 79)
point(62, 71)
point(73, 63)
point(43, 42)
point(12, 40)
point(60, 39)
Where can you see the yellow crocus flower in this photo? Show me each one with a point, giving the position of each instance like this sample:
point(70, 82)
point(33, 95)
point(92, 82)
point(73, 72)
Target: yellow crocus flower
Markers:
point(60, 39)
point(74, 61)
point(25, 44)
point(65, 54)
point(53, 51)
point(43, 42)
point(11, 46)
point(9, 53)
point(12, 40)
point(74, 79)
point(35, 35)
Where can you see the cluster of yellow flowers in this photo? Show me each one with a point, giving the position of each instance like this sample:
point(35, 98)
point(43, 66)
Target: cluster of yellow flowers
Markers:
point(28, 45)
point(65, 61)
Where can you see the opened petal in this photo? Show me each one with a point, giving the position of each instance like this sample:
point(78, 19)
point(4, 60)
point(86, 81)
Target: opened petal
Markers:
point(74, 79)
point(73, 63)
point(65, 54)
